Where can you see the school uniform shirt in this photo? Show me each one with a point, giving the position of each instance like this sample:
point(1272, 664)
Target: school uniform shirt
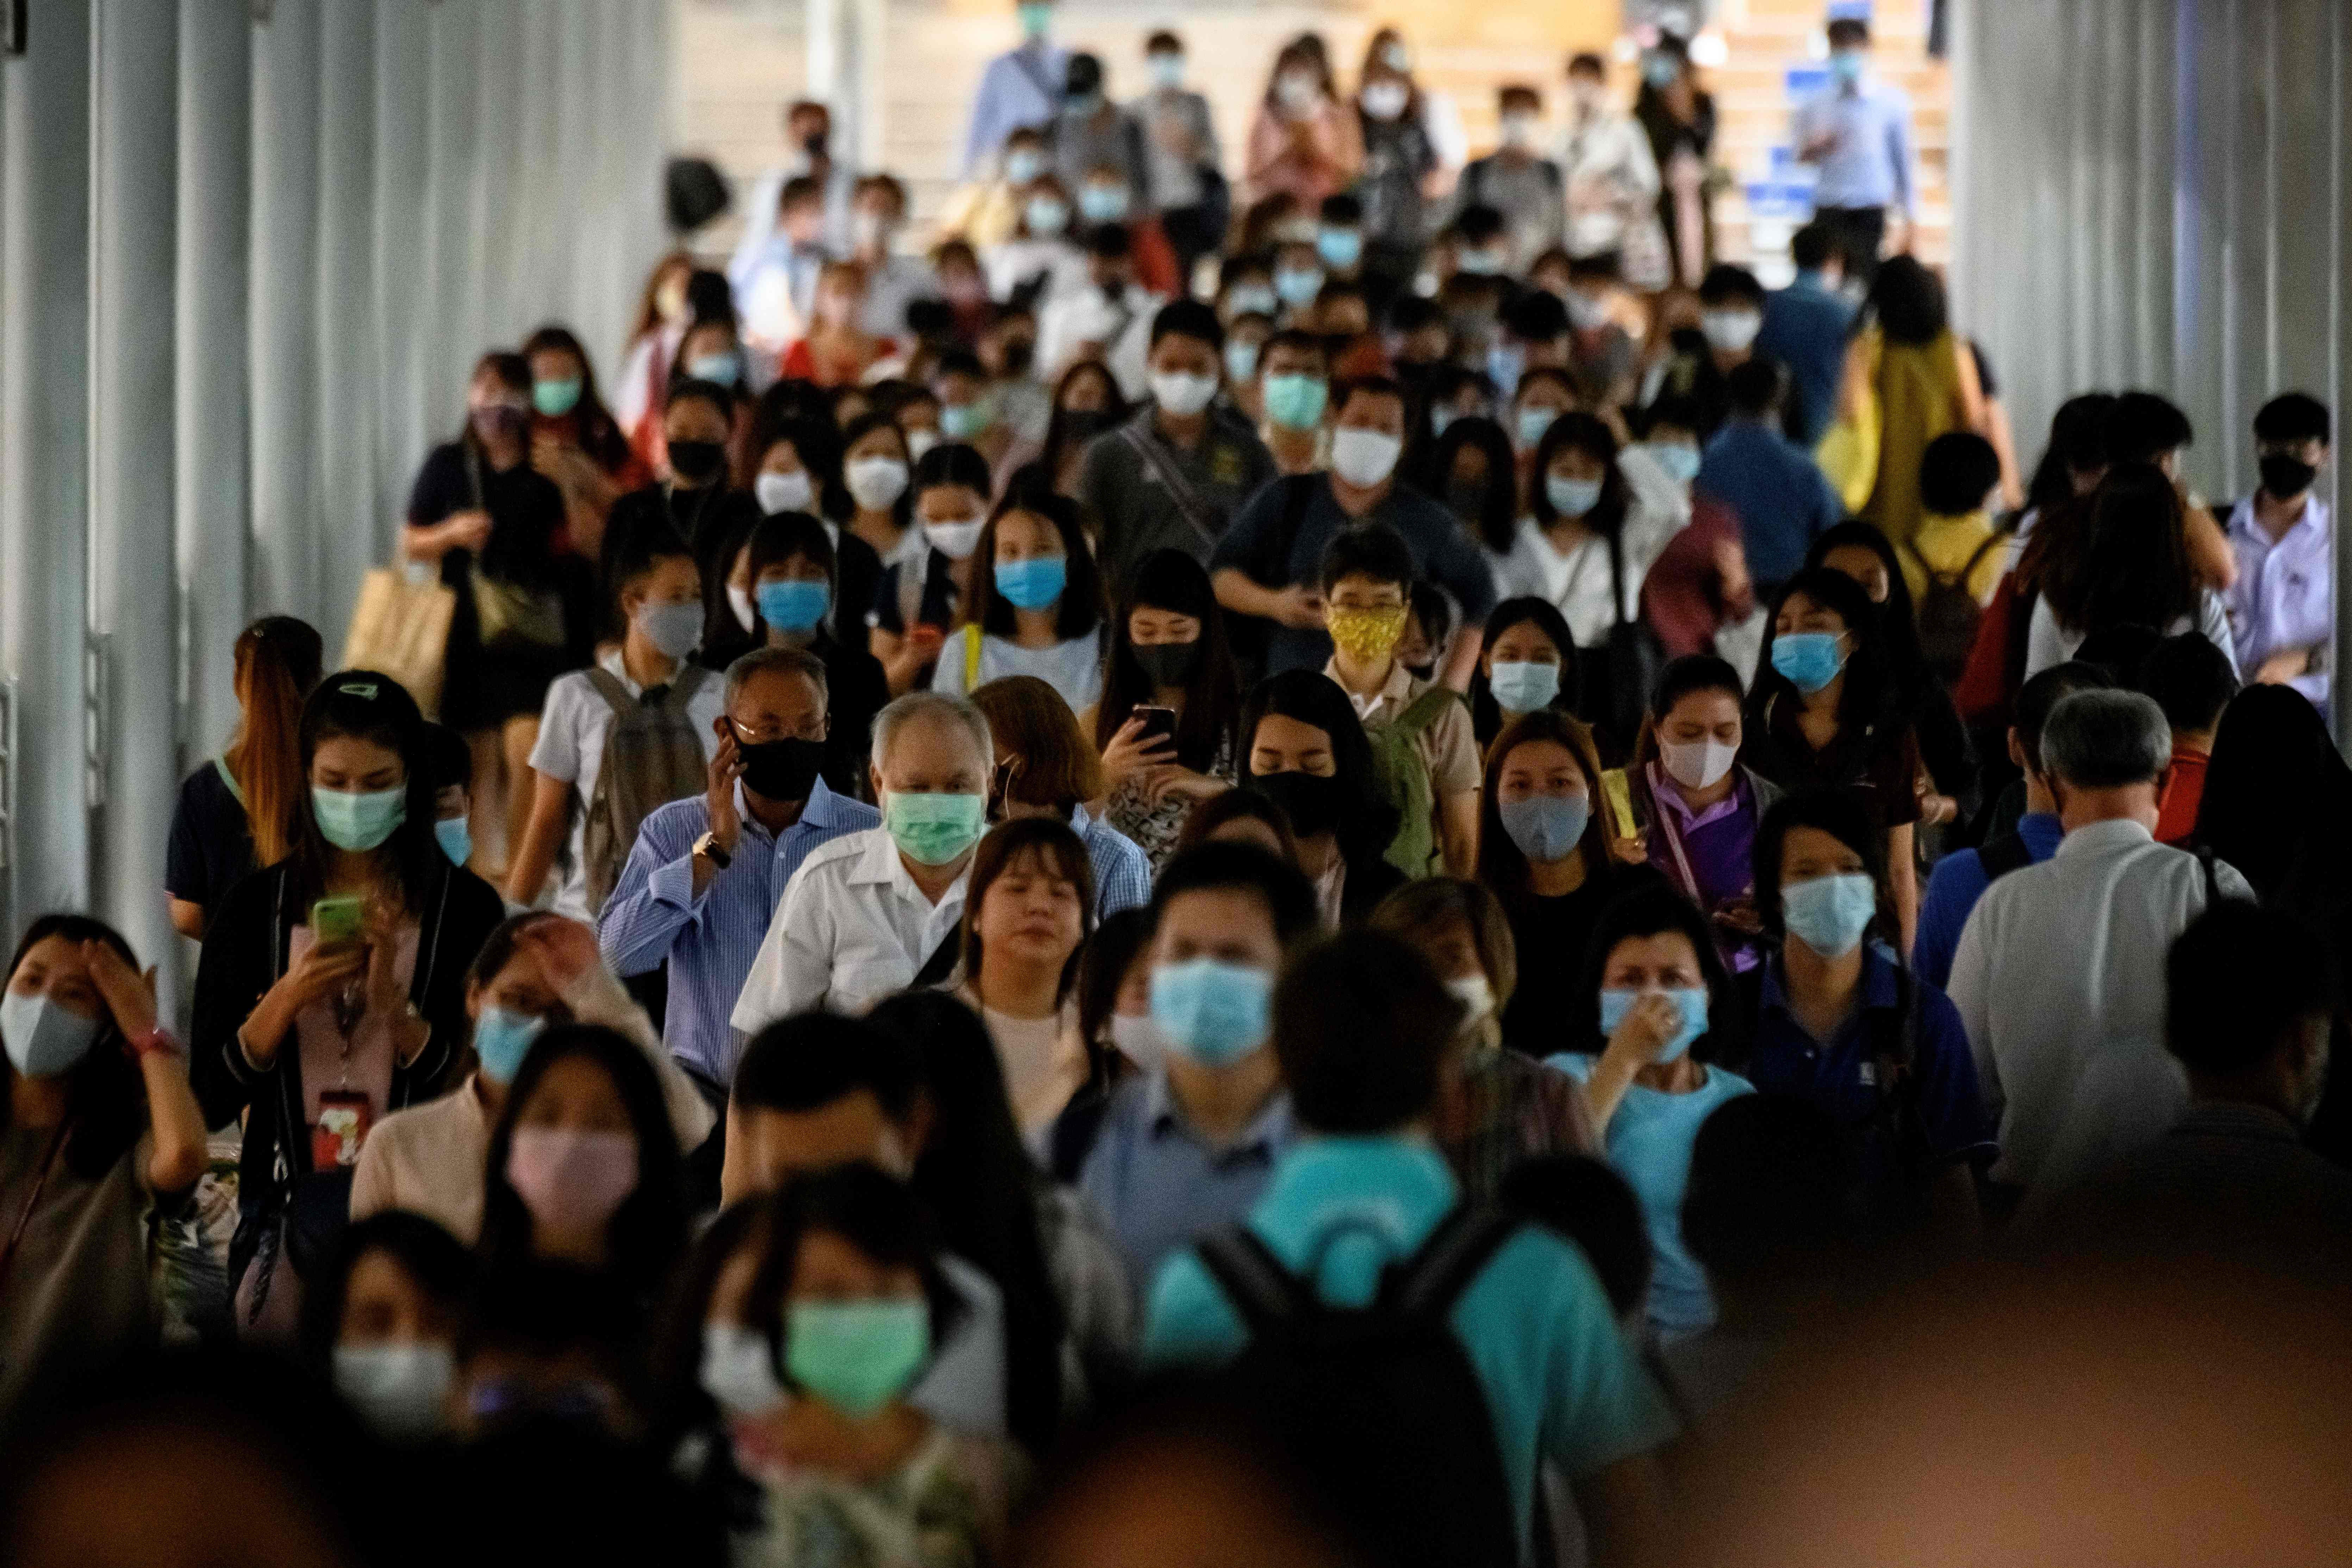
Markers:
point(1022, 259)
point(571, 747)
point(1153, 1183)
point(1708, 854)
point(1871, 162)
point(2047, 643)
point(2065, 960)
point(2284, 597)
point(852, 928)
point(1841, 1074)
point(1119, 319)
point(1448, 748)
point(1954, 887)
point(1649, 1143)
point(1073, 669)
point(1577, 580)
point(1560, 1384)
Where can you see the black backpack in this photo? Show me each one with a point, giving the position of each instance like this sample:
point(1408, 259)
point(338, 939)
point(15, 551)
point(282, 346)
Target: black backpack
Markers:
point(1378, 1407)
point(1949, 612)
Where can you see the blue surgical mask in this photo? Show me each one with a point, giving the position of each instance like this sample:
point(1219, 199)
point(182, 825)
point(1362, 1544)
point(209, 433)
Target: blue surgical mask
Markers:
point(1481, 263)
point(1546, 827)
point(1439, 418)
point(963, 421)
point(1679, 460)
point(455, 836)
point(1570, 497)
point(44, 1039)
point(1241, 361)
point(1296, 402)
point(1830, 913)
point(1034, 583)
point(858, 1356)
point(1167, 70)
point(1846, 67)
point(1809, 660)
point(359, 821)
point(1212, 1012)
point(1532, 424)
point(1297, 286)
point(1037, 17)
point(726, 368)
point(1506, 363)
point(1102, 203)
point(1047, 214)
point(1023, 164)
point(1660, 70)
point(1252, 300)
point(1523, 687)
point(1340, 248)
point(1615, 1004)
point(793, 604)
point(502, 1038)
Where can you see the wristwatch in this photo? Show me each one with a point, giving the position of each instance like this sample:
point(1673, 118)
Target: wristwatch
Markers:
point(708, 846)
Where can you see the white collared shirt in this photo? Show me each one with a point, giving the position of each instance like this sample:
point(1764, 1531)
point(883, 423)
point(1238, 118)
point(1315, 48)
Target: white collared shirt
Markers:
point(2061, 964)
point(2284, 597)
point(851, 929)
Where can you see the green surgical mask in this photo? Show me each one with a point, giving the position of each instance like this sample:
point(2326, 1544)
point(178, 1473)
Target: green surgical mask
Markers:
point(858, 1356)
point(359, 822)
point(933, 829)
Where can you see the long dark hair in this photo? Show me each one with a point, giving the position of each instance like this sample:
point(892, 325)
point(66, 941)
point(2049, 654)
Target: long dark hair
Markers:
point(1502, 865)
point(1064, 853)
point(600, 432)
point(1059, 430)
point(979, 1181)
point(645, 1232)
point(1589, 434)
point(2275, 784)
point(1836, 812)
point(1172, 581)
point(856, 430)
point(1367, 817)
point(2078, 440)
point(782, 538)
point(513, 372)
point(1654, 910)
point(815, 442)
point(278, 660)
point(1486, 714)
point(1896, 617)
point(366, 705)
point(106, 1101)
point(1869, 694)
point(436, 1261)
point(2137, 571)
point(1080, 612)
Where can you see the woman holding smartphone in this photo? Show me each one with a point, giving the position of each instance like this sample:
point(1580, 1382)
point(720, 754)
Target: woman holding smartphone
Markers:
point(332, 986)
point(1170, 706)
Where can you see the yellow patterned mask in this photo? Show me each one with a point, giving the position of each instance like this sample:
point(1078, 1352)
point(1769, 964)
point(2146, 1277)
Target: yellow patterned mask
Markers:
point(1366, 636)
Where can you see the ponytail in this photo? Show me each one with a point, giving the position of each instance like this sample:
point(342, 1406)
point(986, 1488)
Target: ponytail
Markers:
point(278, 660)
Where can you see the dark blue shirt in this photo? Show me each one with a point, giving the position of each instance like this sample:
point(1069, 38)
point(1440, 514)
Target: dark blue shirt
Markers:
point(1842, 1077)
point(1782, 501)
point(1441, 554)
point(1805, 328)
point(1953, 889)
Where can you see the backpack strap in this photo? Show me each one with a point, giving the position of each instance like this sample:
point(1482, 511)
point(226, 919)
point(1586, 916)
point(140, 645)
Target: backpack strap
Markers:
point(2002, 854)
point(970, 656)
point(1430, 1281)
point(1425, 710)
point(1253, 1278)
point(1190, 504)
point(608, 685)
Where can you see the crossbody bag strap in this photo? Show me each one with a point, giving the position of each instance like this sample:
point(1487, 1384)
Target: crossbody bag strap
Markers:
point(1673, 836)
point(1180, 489)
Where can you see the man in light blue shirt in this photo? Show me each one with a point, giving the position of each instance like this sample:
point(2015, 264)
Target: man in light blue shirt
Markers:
point(705, 875)
point(2283, 604)
point(1360, 1024)
point(1858, 137)
point(1021, 87)
point(1806, 326)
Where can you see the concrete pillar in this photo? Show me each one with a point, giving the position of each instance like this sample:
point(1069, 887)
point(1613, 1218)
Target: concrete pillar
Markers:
point(134, 181)
point(283, 294)
point(45, 458)
point(210, 428)
point(452, 329)
point(351, 537)
point(403, 247)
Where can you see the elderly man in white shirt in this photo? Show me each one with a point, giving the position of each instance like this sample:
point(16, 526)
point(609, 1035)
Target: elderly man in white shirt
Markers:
point(865, 914)
point(2060, 966)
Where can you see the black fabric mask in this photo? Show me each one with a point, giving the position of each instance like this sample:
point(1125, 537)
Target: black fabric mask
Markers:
point(1311, 802)
point(781, 770)
point(1019, 353)
point(2284, 476)
point(696, 462)
point(1168, 663)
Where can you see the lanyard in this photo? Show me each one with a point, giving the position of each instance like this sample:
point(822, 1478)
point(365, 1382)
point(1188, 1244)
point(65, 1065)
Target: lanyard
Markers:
point(40, 1185)
point(1673, 836)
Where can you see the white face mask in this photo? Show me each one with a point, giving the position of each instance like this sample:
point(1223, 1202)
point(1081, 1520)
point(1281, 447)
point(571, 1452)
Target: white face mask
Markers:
point(1364, 458)
point(875, 482)
point(782, 492)
point(400, 1390)
point(739, 601)
point(955, 540)
point(1518, 129)
point(1696, 765)
point(1182, 392)
point(739, 1370)
point(1475, 995)
point(1386, 100)
point(1138, 1039)
point(1728, 331)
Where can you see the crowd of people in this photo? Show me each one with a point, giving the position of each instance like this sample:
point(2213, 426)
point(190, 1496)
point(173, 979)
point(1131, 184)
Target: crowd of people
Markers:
point(1400, 824)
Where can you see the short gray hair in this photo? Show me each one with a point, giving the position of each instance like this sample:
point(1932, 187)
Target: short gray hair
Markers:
point(777, 661)
point(938, 708)
point(2105, 740)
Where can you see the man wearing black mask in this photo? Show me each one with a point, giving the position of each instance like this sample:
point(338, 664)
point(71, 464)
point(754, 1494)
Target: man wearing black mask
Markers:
point(706, 874)
point(697, 499)
point(2283, 604)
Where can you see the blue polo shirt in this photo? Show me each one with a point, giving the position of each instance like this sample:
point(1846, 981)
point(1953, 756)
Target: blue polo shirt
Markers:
point(1841, 1076)
point(1649, 1143)
point(1953, 889)
point(1155, 1183)
point(1805, 328)
point(1775, 490)
point(1559, 1380)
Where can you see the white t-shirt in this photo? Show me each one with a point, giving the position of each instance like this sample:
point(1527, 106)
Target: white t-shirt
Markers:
point(2047, 643)
point(1074, 667)
point(571, 747)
